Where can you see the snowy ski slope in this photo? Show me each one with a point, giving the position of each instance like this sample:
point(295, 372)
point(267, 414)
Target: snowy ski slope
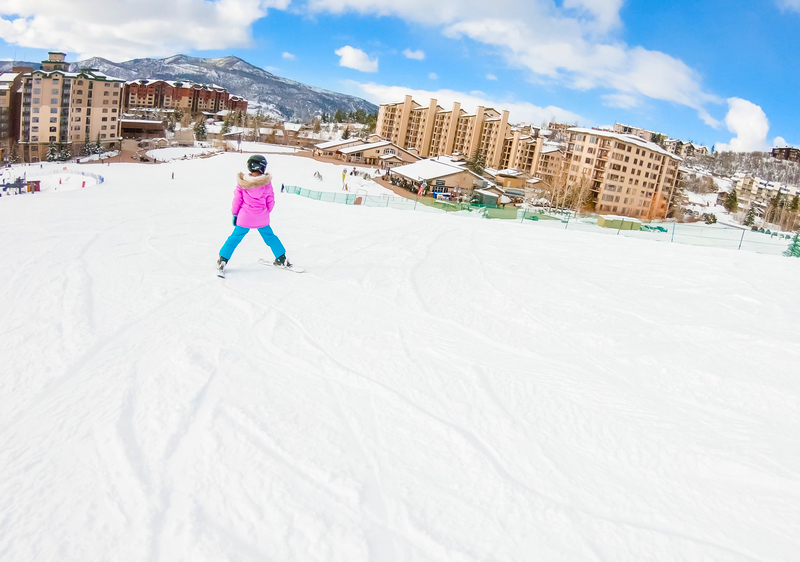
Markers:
point(433, 388)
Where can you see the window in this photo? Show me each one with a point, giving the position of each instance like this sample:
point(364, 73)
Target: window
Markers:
point(35, 129)
point(53, 110)
point(104, 119)
point(52, 129)
point(113, 118)
point(116, 93)
point(78, 101)
point(35, 101)
point(593, 140)
point(80, 83)
point(52, 139)
point(37, 90)
point(78, 110)
point(54, 91)
point(105, 111)
point(105, 102)
point(103, 128)
point(105, 93)
point(588, 160)
point(37, 81)
point(34, 138)
point(55, 80)
point(36, 110)
point(35, 119)
point(102, 136)
point(53, 119)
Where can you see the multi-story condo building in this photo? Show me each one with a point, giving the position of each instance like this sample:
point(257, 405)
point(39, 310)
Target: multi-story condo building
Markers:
point(432, 131)
point(10, 100)
point(787, 153)
point(173, 94)
point(67, 109)
point(630, 176)
point(757, 192)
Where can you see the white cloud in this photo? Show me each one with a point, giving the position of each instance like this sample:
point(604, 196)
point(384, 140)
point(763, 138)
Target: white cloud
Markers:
point(416, 55)
point(574, 44)
point(750, 125)
point(288, 56)
point(519, 111)
point(272, 69)
point(357, 59)
point(793, 5)
point(433, 76)
point(491, 77)
point(118, 31)
point(780, 142)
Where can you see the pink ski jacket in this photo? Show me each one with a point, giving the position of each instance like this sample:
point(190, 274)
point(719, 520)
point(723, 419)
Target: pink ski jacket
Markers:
point(253, 200)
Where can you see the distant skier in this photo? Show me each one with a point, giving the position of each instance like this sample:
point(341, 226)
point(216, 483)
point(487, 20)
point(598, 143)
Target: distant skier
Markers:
point(253, 200)
point(282, 188)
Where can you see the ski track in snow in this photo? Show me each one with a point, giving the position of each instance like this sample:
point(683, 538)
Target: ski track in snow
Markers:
point(432, 388)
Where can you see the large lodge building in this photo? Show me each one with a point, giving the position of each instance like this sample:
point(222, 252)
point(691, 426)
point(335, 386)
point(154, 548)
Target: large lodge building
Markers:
point(173, 94)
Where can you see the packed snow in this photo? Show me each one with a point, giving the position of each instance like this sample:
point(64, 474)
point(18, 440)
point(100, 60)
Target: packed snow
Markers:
point(432, 388)
point(179, 152)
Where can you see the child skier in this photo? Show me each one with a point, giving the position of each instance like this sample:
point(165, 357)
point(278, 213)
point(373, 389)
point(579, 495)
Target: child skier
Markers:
point(253, 200)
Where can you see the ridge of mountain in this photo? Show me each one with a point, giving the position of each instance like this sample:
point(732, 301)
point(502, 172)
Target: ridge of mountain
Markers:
point(278, 97)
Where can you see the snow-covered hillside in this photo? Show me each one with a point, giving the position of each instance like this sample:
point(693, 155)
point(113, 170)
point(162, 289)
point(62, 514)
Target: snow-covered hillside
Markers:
point(433, 388)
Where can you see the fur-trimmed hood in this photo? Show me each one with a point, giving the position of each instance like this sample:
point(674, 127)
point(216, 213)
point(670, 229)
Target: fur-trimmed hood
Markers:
point(246, 181)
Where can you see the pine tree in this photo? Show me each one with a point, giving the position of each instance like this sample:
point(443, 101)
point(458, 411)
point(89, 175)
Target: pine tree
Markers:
point(794, 248)
point(200, 130)
point(87, 146)
point(477, 162)
point(731, 202)
point(750, 217)
point(52, 153)
point(346, 133)
point(64, 152)
point(98, 146)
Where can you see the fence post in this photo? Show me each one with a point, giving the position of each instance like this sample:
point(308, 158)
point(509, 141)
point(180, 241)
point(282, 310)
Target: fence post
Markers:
point(673, 232)
point(567, 224)
point(742, 239)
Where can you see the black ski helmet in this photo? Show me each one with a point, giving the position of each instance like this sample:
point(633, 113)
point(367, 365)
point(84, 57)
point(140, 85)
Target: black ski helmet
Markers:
point(257, 163)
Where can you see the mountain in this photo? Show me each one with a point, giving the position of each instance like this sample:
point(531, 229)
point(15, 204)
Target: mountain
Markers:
point(278, 97)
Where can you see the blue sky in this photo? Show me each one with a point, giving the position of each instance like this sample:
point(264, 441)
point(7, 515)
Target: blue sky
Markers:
point(713, 72)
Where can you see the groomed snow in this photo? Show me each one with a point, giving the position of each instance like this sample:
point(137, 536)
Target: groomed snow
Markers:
point(433, 388)
point(178, 152)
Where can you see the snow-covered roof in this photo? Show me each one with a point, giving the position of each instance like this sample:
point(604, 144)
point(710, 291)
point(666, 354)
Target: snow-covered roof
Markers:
point(629, 139)
point(361, 147)
point(292, 126)
point(449, 160)
point(429, 169)
point(389, 157)
point(150, 121)
point(547, 149)
point(509, 172)
point(337, 142)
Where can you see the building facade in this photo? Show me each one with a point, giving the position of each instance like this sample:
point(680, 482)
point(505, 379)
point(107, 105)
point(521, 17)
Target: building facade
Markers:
point(64, 110)
point(432, 131)
point(10, 110)
point(630, 176)
point(173, 94)
point(786, 153)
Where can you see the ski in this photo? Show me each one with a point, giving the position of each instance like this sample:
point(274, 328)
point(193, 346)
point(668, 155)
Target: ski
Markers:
point(220, 272)
point(292, 268)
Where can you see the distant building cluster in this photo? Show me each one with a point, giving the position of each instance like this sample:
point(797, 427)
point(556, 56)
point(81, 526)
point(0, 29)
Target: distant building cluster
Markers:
point(629, 174)
point(52, 108)
point(677, 147)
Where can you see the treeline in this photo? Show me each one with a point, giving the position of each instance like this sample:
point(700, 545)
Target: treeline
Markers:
point(357, 116)
point(756, 164)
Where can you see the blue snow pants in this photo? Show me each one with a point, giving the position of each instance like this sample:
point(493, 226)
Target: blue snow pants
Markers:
point(266, 233)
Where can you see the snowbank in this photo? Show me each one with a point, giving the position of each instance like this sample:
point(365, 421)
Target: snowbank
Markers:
point(433, 388)
point(176, 153)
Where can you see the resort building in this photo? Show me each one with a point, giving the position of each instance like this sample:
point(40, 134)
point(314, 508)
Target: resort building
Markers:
point(384, 154)
point(10, 102)
point(630, 176)
point(66, 110)
point(185, 95)
point(432, 131)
